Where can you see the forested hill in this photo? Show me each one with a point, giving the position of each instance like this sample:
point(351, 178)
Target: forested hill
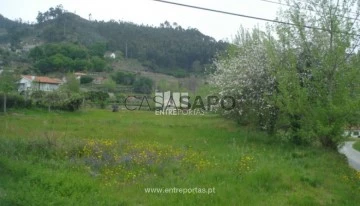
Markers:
point(167, 47)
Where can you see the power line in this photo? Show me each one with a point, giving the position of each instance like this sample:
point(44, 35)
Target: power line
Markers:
point(235, 14)
point(304, 1)
point(246, 16)
point(279, 3)
point(274, 2)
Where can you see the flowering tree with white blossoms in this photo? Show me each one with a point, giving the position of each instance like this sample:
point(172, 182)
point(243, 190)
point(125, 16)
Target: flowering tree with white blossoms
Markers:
point(245, 73)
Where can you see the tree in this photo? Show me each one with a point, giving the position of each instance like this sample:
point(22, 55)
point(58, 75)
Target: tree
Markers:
point(109, 85)
point(4, 57)
point(59, 10)
point(7, 85)
point(50, 14)
point(40, 18)
point(196, 66)
point(143, 85)
point(51, 98)
point(98, 64)
point(36, 53)
point(15, 34)
point(321, 68)
point(72, 84)
point(304, 83)
point(64, 57)
point(244, 73)
point(98, 49)
point(60, 62)
point(37, 96)
point(86, 79)
point(124, 78)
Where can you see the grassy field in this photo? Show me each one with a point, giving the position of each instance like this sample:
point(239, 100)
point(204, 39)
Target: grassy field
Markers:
point(102, 158)
point(163, 82)
point(356, 145)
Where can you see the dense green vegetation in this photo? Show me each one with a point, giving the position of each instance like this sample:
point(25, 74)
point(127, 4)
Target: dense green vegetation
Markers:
point(55, 100)
point(293, 81)
point(13, 31)
point(168, 48)
point(105, 158)
point(5, 57)
point(143, 85)
point(68, 97)
point(86, 79)
point(163, 48)
point(66, 57)
point(7, 85)
point(124, 78)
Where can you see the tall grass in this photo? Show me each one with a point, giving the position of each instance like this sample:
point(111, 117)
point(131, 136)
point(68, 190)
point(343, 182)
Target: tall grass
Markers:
point(104, 158)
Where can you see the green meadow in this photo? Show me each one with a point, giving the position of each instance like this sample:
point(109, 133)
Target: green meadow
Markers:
point(356, 145)
point(97, 157)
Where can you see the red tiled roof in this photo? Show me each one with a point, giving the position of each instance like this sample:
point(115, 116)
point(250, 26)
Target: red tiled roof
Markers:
point(27, 77)
point(43, 79)
point(354, 127)
point(47, 80)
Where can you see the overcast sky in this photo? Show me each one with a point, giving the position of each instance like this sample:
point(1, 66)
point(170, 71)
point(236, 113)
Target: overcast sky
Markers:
point(219, 26)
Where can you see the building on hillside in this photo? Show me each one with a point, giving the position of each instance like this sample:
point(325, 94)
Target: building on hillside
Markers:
point(110, 55)
point(27, 47)
point(99, 80)
point(353, 131)
point(38, 83)
point(78, 75)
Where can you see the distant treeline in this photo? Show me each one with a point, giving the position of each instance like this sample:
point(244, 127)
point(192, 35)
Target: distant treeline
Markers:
point(66, 57)
point(168, 48)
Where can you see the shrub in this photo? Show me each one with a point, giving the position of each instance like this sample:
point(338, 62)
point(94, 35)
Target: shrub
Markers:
point(38, 94)
point(86, 79)
point(72, 103)
point(15, 101)
point(143, 85)
point(95, 96)
point(58, 100)
point(124, 78)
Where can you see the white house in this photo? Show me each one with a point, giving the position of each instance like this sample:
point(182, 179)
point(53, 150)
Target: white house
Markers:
point(110, 55)
point(35, 83)
point(99, 80)
point(78, 75)
point(352, 132)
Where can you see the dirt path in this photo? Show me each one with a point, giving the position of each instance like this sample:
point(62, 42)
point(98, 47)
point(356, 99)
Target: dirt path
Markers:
point(352, 155)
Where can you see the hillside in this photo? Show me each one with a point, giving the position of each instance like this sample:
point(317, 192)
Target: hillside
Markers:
point(168, 47)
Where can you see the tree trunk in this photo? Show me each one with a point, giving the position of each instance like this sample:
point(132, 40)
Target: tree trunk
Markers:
point(4, 103)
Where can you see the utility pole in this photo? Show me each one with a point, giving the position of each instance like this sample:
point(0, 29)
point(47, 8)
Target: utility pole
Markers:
point(64, 27)
point(126, 50)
